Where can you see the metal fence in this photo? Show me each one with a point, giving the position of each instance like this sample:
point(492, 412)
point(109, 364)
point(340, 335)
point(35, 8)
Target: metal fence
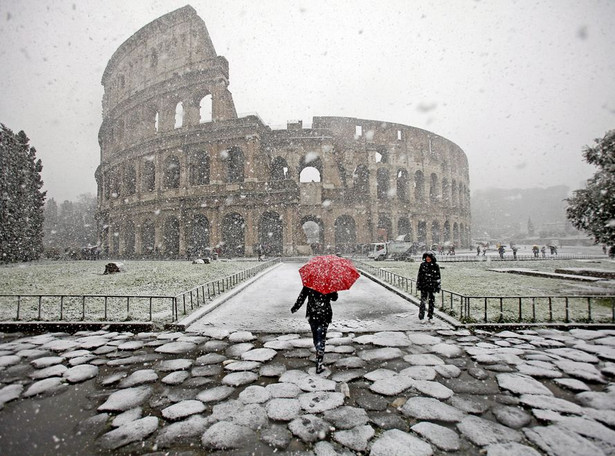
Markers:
point(115, 308)
point(508, 309)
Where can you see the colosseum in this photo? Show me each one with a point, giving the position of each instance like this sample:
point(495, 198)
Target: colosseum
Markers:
point(181, 174)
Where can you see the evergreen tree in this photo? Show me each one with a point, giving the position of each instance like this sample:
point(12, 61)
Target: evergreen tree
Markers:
point(592, 209)
point(21, 198)
point(530, 227)
point(71, 226)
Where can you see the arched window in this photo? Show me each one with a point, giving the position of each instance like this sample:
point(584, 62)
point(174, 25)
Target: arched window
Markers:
point(404, 228)
point(148, 238)
point(233, 234)
point(419, 187)
point(130, 180)
point(381, 155)
point(361, 180)
point(447, 232)
point(171, 172)
point(309, 174)
point(170, 239)
point(435, 232)
point(382, 183)
point(199, 168)
point(149, 175)
point(345, 234)
point(205, 112)
point(197, 234)
point(446, 192)
point(454, 193)
point(129, 239)
point(433, 188)
point(314, 230)
point(402, 184)
point(456, 233)
point(179, 115)
point(235, 165)
point(270, 233)
point(279, 169)
point(385, 228)
point(422, 232)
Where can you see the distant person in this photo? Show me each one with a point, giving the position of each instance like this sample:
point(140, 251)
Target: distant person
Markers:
point(535, 251)
point(543, 250)
point(501, 251)
point(477, 250)
point(514, 249)
point(259, 252)
point(319, 315)
point(428, 282)
point(604, 248)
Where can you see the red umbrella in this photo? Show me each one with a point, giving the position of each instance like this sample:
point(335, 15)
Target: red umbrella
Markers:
point(328, 273)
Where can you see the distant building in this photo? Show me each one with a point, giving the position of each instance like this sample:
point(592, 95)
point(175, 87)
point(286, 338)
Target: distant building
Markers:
point(181, 173)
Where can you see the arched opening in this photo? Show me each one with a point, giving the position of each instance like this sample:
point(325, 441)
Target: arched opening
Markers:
point(384, 229)
point(454, 193)
point(419, 187)
point(205, 109)
point(446, 192)
point(149, 175)
point(198, 236)
point(130, 180)
point(129, 239)
point(179, 115)
point(170, 238)
point(279, 169)
point(310, 168)
point(404, 228)
point(433, 188)
point(456, 233)
point(148, 238)
point(435, 232)
point(309, 174)
point(361, 180)
point(402, 184)
point(270, 233)
point(447, 231)
point(422, 233)
point(233, 235)
point(235, 162)
point(199, 168)
point(314, 231)
point(382, 183)
point(171, 172)
point(345, 234)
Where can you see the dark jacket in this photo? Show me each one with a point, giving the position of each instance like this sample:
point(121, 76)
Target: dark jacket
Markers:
point(318, 307)
point(428, 278)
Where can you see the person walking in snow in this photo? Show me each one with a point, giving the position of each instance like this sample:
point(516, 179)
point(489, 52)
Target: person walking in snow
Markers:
point(428, 282)
point(319, 315)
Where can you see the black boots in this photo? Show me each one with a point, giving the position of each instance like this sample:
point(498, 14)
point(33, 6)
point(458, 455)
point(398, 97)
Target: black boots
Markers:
point(319, 357)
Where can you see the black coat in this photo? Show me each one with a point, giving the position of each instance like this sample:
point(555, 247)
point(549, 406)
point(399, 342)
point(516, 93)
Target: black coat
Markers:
point(318, 307)
point(428, 278)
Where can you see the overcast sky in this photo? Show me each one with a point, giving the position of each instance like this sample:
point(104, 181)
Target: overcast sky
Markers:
point(521, 86)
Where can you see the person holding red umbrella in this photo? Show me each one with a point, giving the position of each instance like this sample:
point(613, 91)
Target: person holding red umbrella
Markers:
point(319, 315)
point(322, 277)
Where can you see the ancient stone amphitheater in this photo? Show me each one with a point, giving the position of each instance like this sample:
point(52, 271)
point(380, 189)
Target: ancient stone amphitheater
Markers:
point(181, 173)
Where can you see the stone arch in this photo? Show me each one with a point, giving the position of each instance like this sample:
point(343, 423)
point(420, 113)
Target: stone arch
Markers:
point(279, 169)
point(197, 236)
point(172, 170)
point(435, 232)
point(446, 235)
point(314, 230)
point(433, 188)
point(235, 165)
point(454, 193)
point(419, 186)
point(455, 233)
point(205, 109)
point(361, 180)
point(270, 233)
point(130, 179)
point(385, 227)
point(381, 155)
point(148, 238)
point(199, 167)
point(402, 184)
point(345, 234)
point(116, 180)
point(233, 234)
point(170, 237)
point(179, 115)
point(404, 228)
point(382, 183)
point(446, 192)
point(309, 167)
point(422, 232)
point(149, 175)
point(129, 238)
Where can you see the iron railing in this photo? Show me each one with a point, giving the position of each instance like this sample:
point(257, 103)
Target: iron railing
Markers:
point(507, 309)
point(69, 307)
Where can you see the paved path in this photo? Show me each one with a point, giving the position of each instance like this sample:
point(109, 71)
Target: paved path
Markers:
point(265, 304)
point(234, 392)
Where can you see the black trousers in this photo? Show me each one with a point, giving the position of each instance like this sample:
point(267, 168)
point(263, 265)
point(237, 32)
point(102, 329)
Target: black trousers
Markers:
point(427, 298)
point(319, 335)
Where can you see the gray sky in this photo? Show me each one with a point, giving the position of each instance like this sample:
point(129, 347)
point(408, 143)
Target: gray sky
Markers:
point(521, 86)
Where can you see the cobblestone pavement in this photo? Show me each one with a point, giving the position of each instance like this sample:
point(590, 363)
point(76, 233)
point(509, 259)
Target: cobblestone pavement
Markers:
point(430, 391)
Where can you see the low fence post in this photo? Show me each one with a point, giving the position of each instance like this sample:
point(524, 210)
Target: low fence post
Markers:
point(18, 306)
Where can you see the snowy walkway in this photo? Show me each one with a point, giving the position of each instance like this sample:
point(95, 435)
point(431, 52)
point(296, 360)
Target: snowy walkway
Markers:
point(264, 306)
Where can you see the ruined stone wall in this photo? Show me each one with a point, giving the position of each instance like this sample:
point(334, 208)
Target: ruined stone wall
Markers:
point(180, 174)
